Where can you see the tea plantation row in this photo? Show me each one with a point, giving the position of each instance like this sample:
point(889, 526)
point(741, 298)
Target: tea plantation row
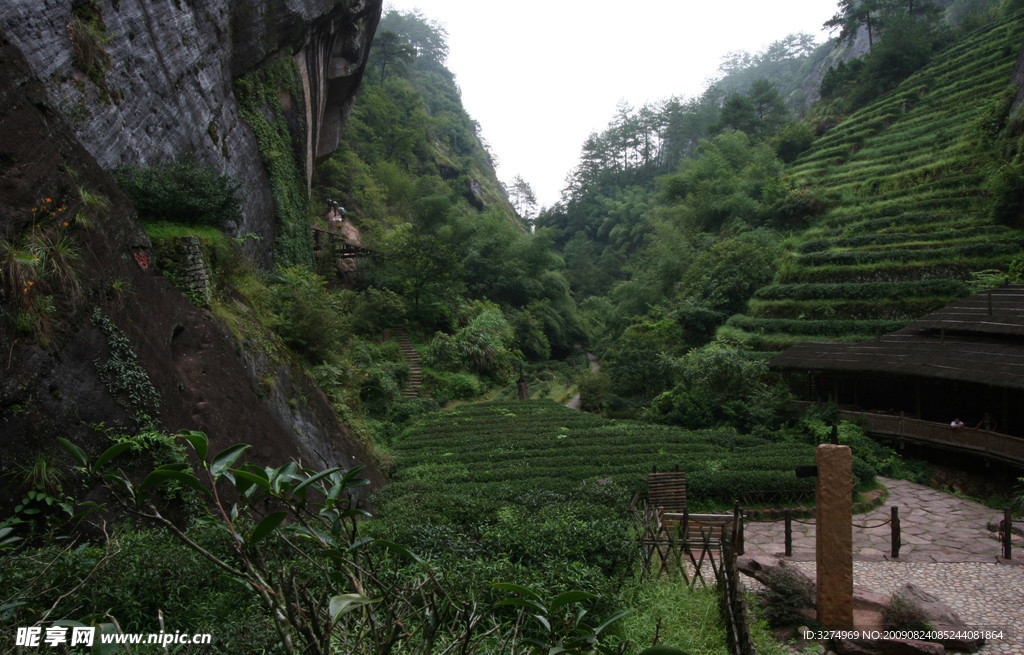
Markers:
point(511, 449)
point(907, 211)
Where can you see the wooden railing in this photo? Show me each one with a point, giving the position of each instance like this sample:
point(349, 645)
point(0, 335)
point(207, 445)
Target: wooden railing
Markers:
point(986, 443)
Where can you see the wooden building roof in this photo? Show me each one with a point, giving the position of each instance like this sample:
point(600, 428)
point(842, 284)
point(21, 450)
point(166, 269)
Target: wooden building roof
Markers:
point(978, 339)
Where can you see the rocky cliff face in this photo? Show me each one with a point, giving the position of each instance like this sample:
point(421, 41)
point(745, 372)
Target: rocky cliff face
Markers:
point(113, 339)
point(146, 81)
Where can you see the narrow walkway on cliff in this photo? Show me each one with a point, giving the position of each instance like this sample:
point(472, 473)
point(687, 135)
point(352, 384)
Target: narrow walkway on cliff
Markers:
point(575, 403)
point(412, 385)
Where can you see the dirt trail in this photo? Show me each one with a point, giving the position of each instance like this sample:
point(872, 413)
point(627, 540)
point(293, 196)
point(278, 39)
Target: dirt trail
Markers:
point(594, 368)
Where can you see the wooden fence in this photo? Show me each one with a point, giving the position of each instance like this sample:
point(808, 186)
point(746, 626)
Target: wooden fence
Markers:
point(732, 604)
point(685, 543)
point(699, 547)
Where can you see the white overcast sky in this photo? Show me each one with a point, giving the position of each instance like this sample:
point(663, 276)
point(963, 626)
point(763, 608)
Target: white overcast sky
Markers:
point(540, 75)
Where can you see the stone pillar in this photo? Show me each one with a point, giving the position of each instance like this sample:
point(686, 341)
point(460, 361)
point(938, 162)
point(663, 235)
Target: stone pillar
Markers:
point(834, 535)
point(186, 266)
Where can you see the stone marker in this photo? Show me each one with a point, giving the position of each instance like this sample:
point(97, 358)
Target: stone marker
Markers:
point(834, 535)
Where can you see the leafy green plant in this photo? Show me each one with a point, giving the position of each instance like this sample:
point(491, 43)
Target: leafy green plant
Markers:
point(594, 389)
point(295, 545)
point(664, 612)
point(482, 345)
point(121, 371)
point(89, 39)
point(95, 207)
point(786, 592)
point(560, 625)
point(312, 319)
point(180, 192)
point(22, 266)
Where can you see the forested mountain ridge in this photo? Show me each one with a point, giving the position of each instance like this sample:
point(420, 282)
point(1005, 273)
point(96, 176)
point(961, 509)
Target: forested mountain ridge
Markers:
point(416, 178)
point(754, 226)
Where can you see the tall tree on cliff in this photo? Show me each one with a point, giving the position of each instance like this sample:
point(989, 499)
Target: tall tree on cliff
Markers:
point(392, 50)
point(523, 199)
point(854, 13)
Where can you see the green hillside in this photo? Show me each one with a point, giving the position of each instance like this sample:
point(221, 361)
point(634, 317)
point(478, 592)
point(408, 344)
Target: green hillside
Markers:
point(907, 218)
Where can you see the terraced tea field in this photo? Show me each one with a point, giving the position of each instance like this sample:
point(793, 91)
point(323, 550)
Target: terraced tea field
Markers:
point(505, 450)
point(907, 220)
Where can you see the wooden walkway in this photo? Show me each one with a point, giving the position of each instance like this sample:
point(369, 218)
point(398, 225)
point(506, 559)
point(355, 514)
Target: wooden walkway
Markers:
point(334, 244)
point(984, 443)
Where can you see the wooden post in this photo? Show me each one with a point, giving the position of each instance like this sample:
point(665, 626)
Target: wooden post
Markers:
point(834, 535)
point(1007, 530)
point(737, 521)
point(789, 532)
point(896, 539)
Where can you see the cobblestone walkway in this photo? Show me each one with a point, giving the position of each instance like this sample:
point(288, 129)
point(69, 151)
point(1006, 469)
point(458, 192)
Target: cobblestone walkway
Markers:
point(947, 550)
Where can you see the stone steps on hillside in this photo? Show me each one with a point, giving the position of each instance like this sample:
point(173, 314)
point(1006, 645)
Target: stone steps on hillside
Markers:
point(411, 389)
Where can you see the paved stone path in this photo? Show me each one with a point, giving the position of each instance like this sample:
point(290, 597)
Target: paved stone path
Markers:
point(947, 550)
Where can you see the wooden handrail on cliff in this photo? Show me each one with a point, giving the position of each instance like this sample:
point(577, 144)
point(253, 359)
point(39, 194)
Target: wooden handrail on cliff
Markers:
point(994, 445)
point(344, 249)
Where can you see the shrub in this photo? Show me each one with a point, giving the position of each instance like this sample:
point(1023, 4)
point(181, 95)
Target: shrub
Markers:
point(448, 386)
point(793, 140)
point(797, 208)
point(180, 192)
point(312, 321)
point(787, 591)
point(862, 290)
point(482, 345)
point(904, 614)
point(1007, 188)
point(594, 389)
point(89, 39)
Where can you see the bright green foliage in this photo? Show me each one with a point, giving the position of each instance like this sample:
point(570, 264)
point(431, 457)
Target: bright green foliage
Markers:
point(679, 615)
point(561, 625)
point(180, 192)
point(364, 380)
point(313, 320)
point(536, 491)
point(415, 178)
point(709, 288)
point(909, 41)
point(593, 389)
point(482, 345)
point(905, 218)
point(308, 576)
point(792, 140)
point(610, 207)
point(719, 383)
point(729, 185)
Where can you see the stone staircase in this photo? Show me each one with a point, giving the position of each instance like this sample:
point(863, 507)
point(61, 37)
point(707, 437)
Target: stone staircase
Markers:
point(412, 385)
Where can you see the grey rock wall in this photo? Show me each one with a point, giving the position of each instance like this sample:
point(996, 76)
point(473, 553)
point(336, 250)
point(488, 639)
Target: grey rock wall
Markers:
point(168, 92)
